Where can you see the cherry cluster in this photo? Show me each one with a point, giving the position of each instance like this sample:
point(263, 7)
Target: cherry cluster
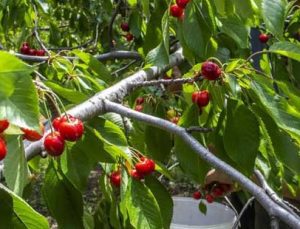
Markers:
point(27, 50)
point(139, 104)
point(125, 28)
point(66, 128)
point(210, 71)
point(28, 134)
point(144, 167)
point(212, 192)
point(177, 10)
point(173, 116)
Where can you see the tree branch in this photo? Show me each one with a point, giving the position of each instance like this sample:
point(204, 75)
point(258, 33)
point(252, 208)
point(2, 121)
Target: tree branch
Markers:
point(271, 207)
point(236, 223)
point(167, 82)
point(102, 57)
point(269, 191)
point(111, 24)
point(36, 33)
point(94, 106)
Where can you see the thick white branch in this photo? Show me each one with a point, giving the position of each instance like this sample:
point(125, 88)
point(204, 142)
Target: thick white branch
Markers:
point(94, 106)
point(269, 205)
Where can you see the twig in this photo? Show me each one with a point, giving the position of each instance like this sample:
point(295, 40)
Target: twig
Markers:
point(199, 129)
point(231, 205)
point(274, 223)
point(36, 33)
point(237, 221)
point(124, 68)
point(271, 207)
point(269, 191)
point(111, 24)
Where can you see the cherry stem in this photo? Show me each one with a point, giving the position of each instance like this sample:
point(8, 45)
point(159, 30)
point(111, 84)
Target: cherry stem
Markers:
point(48, 114)
point(216, 60)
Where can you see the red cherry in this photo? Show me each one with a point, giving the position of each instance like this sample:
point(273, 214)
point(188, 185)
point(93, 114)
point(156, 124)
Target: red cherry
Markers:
point(225, 187)
point(195, 96)
point(129, 37)
point(25, 44)
point(217, 191)
point(136, 175)
point(139, 101)
point(54, 144)
point(146, 166)
point(139, 108)
point(40, 52)
point(203, 98)
point(25, 50)
point(175, 120)
point(56, 122)
point(209, 198)
point(115, 178)
point(182, 3)
point(125, 26)
point(3, 149)
point(176, 11)
point(3, 125)
point(32, 135)
point(72, 129)
point(197, 195)
point(32, 52)
point(264, 38)
point(210, 70)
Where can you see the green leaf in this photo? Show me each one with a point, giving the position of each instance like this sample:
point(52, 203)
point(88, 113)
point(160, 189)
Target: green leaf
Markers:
point(284, 111)
point(163, 199)
point(160, 55)
point(155, 137)
point(72, 96)
point(274, 12)
point(95, 65)
point(195, 30)
point(235, 28)
point(287, 49)
point(286, 150)
point(18, 96)
point(16, 169)
point(202, 207)
point(142, 207)
point(90, 150)
point(112, 136)
point(16, 213)
point(63, 200)
point(241, 137)
point(190, 162)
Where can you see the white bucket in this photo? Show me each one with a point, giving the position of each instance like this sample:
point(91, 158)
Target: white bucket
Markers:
point(186, 215)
